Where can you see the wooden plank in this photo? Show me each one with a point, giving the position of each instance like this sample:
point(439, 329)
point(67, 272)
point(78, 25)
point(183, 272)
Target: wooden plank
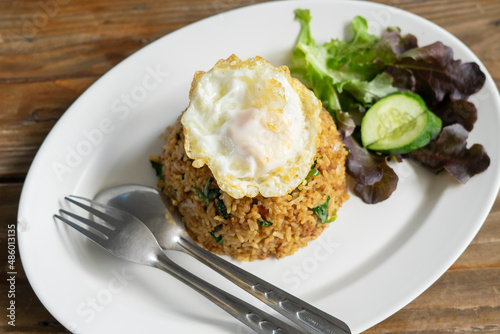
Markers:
point(29, 111)
point(87, 37)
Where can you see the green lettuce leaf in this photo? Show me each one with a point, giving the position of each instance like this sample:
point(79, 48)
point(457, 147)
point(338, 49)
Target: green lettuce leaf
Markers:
point(340, 70)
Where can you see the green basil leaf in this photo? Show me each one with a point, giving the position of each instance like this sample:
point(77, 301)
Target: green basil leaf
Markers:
point(222, 209)
point(201, 195)
point(264, 223)
point(158, 167)
point(217, 239)
point(312, 172)
point(322, 211)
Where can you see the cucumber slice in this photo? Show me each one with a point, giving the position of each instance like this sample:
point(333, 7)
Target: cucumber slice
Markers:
point(399, 123)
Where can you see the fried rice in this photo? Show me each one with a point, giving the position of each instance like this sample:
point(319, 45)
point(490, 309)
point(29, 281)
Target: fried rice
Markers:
point(255, 228)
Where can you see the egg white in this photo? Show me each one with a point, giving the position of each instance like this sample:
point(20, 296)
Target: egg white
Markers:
point(254, 125)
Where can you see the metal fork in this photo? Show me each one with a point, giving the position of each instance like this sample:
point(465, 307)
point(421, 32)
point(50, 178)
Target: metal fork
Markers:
point(128, 238)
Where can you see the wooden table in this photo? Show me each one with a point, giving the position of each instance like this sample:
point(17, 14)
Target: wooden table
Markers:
point(52, 50)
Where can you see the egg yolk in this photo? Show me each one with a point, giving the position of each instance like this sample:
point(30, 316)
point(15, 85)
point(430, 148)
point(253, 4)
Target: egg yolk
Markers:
point(260, 141)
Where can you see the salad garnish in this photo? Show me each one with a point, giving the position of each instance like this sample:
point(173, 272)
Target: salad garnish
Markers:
point(349, 76)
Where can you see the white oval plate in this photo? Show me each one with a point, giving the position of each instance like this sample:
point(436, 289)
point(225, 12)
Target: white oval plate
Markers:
point(367, 265)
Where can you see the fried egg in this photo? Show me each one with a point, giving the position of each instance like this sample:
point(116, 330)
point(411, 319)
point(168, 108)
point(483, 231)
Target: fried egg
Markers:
point(253, 125)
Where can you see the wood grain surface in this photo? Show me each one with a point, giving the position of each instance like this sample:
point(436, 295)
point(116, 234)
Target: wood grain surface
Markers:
point(52, 50)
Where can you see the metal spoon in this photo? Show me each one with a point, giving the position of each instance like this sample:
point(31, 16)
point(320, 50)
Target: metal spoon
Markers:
point(155, 210)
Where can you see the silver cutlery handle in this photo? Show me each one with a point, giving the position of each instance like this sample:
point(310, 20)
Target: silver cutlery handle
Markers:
point(259, 321)
point(295, 309)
